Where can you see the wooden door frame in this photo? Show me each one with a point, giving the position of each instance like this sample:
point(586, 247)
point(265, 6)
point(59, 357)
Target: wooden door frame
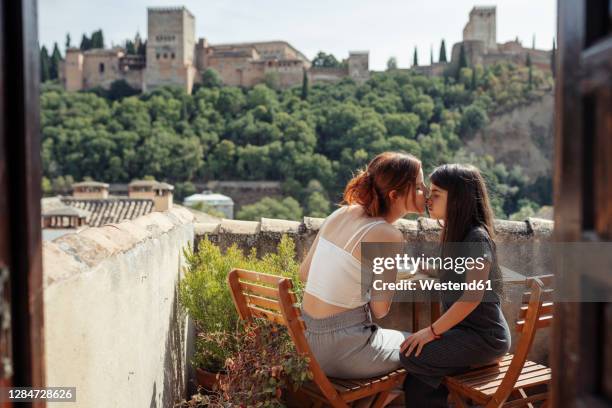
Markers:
point(20, 182)
point(582, 70)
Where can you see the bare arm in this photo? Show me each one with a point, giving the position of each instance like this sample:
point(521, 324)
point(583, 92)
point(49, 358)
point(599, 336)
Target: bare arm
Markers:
point(305, 265)
point(468, 301)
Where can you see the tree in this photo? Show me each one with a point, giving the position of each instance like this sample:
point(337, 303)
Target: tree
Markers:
point(431, 61)
point(323, 60)
point(415, 58)
point(54, 65)
point(45, 65)
point(211, 78)
point(67, 41)
point(85, 43)
point(317, 205)
point(286, 209)
point(392, 63)
point(530, 68)
point(463, 63)
point(304, 95)
point(130, 48)
point(442, 57)
point(97, 39)
point(474, 79)
point(474, 118)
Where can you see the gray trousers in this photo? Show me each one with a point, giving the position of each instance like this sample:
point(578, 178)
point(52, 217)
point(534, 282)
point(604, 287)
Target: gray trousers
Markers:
point(349, 345)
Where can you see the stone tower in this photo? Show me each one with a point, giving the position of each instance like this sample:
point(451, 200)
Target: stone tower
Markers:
point(72, 71)
point(359, 65)
point(482, 27)
point(170, 48)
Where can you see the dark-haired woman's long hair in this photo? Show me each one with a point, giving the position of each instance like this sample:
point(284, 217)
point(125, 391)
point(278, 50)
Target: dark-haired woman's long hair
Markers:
point(467, 203)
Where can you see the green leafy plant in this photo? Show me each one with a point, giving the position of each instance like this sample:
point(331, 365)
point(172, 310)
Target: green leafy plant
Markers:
point(205, 295)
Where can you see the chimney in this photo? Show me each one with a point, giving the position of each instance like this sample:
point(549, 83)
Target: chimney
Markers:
point(90, 190)
point(162, 200)
point(159, 193)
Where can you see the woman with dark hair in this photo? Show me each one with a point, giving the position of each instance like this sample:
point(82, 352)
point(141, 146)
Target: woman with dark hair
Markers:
point(472, 330)
point(339, 327)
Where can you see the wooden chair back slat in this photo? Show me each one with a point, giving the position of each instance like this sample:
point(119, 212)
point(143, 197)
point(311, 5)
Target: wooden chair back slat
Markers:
point(546, 309)
point(547, 306)
point(547, 280)
point(258, 277)
point(259, 290)
point(263, 302)
point(547, 295)
point(267, 314)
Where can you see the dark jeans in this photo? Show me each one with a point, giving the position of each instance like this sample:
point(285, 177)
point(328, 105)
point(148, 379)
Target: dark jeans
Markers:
point(421, 395)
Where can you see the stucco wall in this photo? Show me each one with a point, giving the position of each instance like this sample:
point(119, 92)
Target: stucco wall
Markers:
point(113, 327)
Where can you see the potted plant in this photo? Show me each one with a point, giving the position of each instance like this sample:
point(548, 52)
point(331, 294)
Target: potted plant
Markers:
point(205, 295)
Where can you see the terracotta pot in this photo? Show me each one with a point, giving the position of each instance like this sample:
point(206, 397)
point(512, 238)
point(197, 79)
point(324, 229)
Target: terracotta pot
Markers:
point(208, 380)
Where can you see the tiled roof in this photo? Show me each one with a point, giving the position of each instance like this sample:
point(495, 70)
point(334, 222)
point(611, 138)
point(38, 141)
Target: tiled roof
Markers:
point(110, 210)
point(90, 184)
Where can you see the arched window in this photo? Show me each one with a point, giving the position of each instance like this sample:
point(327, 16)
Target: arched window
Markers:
point(101, 67)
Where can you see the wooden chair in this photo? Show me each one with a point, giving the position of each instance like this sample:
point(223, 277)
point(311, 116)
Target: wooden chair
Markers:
point(514, 381)
point(271, 297)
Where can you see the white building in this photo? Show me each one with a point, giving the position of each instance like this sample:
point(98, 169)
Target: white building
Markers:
point(208, 199)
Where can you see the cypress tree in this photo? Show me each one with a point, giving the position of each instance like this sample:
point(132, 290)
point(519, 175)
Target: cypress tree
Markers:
point(305, 86)
point(45, 63)
point(97, 39)
point(530, 80)
point(431, 55)
point(473, 85)
point(85, 43)
point(54, 66)
point(442, 57)
point(415, 58)
point(462, 58)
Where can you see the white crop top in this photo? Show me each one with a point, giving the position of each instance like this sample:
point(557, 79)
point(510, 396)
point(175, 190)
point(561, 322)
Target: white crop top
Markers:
point(335, 274)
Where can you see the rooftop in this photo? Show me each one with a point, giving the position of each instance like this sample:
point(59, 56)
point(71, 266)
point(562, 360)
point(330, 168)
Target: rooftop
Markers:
point(110, 210)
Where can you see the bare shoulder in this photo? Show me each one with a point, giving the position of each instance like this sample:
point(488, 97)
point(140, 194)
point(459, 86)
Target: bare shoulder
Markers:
point(384, 233)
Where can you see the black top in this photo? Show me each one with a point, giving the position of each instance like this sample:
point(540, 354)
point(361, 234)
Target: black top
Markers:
point(488, 316)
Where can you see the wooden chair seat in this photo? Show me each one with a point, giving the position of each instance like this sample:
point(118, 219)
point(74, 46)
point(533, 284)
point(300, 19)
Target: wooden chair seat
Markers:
point(479, 385)
point(352, 390)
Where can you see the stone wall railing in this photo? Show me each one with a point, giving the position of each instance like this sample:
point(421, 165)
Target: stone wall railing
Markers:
point(113, 326)
point(266, 234)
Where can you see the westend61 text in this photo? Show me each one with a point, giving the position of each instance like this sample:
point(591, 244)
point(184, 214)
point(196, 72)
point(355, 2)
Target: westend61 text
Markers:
point(432, 285)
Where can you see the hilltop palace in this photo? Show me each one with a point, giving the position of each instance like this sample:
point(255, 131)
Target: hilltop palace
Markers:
point(173, 57)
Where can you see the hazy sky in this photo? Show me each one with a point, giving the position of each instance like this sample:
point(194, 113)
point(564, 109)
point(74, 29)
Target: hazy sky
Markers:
point(384, 27)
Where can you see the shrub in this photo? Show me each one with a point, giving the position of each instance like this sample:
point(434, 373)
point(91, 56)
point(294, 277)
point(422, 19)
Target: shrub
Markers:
point(205, 295)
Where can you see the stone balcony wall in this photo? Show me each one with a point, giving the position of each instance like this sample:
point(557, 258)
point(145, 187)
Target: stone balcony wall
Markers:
point(113, 326)
point(517, 242)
